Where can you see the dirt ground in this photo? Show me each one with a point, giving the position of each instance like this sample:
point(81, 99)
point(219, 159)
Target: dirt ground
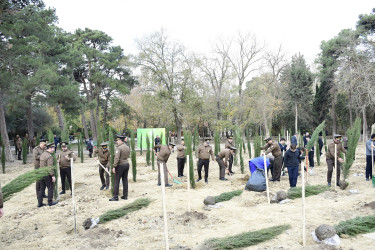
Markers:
point(25, 226)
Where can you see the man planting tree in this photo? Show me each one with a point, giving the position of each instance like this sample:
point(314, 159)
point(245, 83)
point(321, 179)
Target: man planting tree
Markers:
point(274, 148)
point(224, 154)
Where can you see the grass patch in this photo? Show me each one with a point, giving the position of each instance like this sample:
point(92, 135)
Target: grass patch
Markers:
point(296, 192)
point(358, 225)
point(117, 213)
point(227, 196)
point(245, 239)
point(23, 181)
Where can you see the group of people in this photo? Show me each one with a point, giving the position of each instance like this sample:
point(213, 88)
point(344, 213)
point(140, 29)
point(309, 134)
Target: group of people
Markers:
point(31, 144)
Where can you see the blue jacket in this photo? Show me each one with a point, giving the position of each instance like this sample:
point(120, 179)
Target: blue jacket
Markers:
point(294, 140)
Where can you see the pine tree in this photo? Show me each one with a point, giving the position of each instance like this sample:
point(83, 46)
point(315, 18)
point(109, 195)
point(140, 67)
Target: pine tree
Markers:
point(24, 151)
point(153, 154)
point(237, 143)
point(133, 156)
point(2, 154)
point(315, 136)
point(189, 152)
point(148, 153)
point(354, 134)
point(111, 144)
point(217, 142)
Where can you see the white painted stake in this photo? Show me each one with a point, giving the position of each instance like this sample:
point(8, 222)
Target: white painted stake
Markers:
point(188, 181)
point(164, 206)
point(335, 170)
point(73, 198)
point(265, 174)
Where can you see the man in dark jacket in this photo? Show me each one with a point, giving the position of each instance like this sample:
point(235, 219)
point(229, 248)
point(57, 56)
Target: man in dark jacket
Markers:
point(292, 159)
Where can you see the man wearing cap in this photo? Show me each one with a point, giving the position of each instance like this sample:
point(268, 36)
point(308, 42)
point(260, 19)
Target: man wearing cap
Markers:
point(37, 152)
point(46, 160)
point(224, 154)
point(330, 158)
point(204, 152)
point(121, 168)
point(162, 153)
point(64, 163)
point(370, 146)
point(181, 158)
point(104, 155)
point(229, 144)
point(274, 148)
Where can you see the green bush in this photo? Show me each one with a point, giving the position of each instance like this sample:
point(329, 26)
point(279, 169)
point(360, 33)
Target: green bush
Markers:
point(227, 196)
point(358, 225)
point(296, 192)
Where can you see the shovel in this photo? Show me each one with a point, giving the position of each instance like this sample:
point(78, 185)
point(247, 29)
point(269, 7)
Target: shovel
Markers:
point(176, 181)
point(372, 162)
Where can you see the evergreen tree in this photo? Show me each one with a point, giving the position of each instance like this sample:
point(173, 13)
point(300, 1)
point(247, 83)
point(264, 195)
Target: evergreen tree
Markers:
point(242, 167)
point(354, 134)
point(133, 156)
point(317, 152)
point(300, 139)
point(196, 138)
point(257, 145)
point(325, 141)
point(248, 144)
point(141, 145)
point(189, 153)
point(148, 153)
point(50, 136)
point(153, 154)
point(315, 136)
point(37, 139)
point(24, 151)
point(2, 154)
point(81, 147)
point(217, 142)
point(111, 144)
point(55, 185)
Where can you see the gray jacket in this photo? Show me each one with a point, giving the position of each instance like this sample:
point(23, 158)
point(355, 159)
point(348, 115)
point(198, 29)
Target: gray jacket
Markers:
point(368, 147)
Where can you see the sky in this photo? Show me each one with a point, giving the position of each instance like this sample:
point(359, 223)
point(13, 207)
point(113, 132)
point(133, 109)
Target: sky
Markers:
point(298, 25)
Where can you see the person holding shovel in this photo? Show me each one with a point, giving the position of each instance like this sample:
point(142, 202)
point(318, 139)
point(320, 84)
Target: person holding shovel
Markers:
point(330, 158)
point(370, 148)
point(162, 153)
point(104, 155)
point(121, 168)
point(224, 154)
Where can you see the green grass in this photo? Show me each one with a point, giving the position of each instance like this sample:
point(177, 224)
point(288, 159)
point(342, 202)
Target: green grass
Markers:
point(358, 225)
point(296, 192)
point(245, 239)
point(227, 196)
point(23, 181)
point(120, 212)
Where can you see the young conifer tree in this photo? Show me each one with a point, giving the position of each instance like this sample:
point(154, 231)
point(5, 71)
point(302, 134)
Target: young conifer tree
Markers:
point(195, 138)
point(354, 134)
point(148, 153)
point(2, 154)
point(248, 144)
point(189, 153)
point(133, 156)
point(217, 142)
point(242, 167)
point(140, 144)
point(317, 152)
point(111, 144)
point(153, 154)
point(24, 151)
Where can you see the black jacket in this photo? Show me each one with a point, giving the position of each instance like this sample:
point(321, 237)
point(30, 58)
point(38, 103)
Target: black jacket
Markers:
point(292, 159)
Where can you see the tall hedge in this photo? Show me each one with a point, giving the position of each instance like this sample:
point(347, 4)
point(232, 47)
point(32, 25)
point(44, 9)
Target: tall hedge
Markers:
point(133, 156)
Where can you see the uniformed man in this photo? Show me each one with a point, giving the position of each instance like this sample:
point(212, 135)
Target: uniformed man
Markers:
point(181, 158)
point(274, 148)
point(33, 143)
point(65, 167)
point(204, 152)
point(104, 155)
point(330, 158)
point(229, 144)
point(46, 160)
point(162, 154)
point(224, 154)
point(121, 168)
point(37, 152)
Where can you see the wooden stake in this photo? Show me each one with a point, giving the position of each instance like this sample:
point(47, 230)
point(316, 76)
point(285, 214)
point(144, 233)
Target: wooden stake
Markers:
point(303, 206)
point(188, 181)
point(335, 171)
point(164, 206)
point(73, 198)
point(265, 174)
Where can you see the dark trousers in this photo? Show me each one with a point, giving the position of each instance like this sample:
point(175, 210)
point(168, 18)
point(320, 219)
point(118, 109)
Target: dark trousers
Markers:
point(101, 174)
point(90, 153)
point(180, 166)
point(311, 159)
point(222, 167)
point(66, 172)
point(277, 164)
point(45, 182)
point(293, 175)
point(159, 162)
point(230, 163)
point(37, 188)
point(19, 154)
point(121, 173)
point(206, 164)
point(369, 166)
point(331, 165)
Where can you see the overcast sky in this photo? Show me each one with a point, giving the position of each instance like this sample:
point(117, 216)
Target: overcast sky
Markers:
point(298, 25)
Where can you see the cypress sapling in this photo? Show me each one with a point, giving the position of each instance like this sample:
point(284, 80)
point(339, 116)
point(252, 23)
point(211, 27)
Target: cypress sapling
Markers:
point(24, 151)
point(2, 154)
point(148, 153)
point(133, 156)
point(111, 144)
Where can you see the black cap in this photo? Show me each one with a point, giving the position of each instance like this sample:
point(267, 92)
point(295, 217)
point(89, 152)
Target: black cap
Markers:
point(267, 139)
point(172, 144)
point(43, 140)
point(282, 139)
point(337, 136)
point(121, 137)
point(64, 144)
point(50, 145)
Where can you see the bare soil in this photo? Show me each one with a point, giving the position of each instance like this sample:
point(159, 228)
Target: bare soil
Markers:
point(25, 226)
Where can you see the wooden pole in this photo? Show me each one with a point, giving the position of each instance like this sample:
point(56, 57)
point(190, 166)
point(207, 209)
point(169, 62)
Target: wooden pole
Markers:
point(335, 170)
point(73, 198)
point(265, 174)
point(304, 206)
point(164, 206)
point(188, 181)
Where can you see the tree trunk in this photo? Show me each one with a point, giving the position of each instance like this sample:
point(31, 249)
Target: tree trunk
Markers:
point(350, 109)
point(29, 117)
point(4, 132)
point(218, 109)
point(125, 122)
point(93, 125)
point(60, 117)
point(333, 114)
point(265, 125)
point(84, 124)
point(296, 118)
point(364, 124)
point(179, 130)
point(105, 113)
